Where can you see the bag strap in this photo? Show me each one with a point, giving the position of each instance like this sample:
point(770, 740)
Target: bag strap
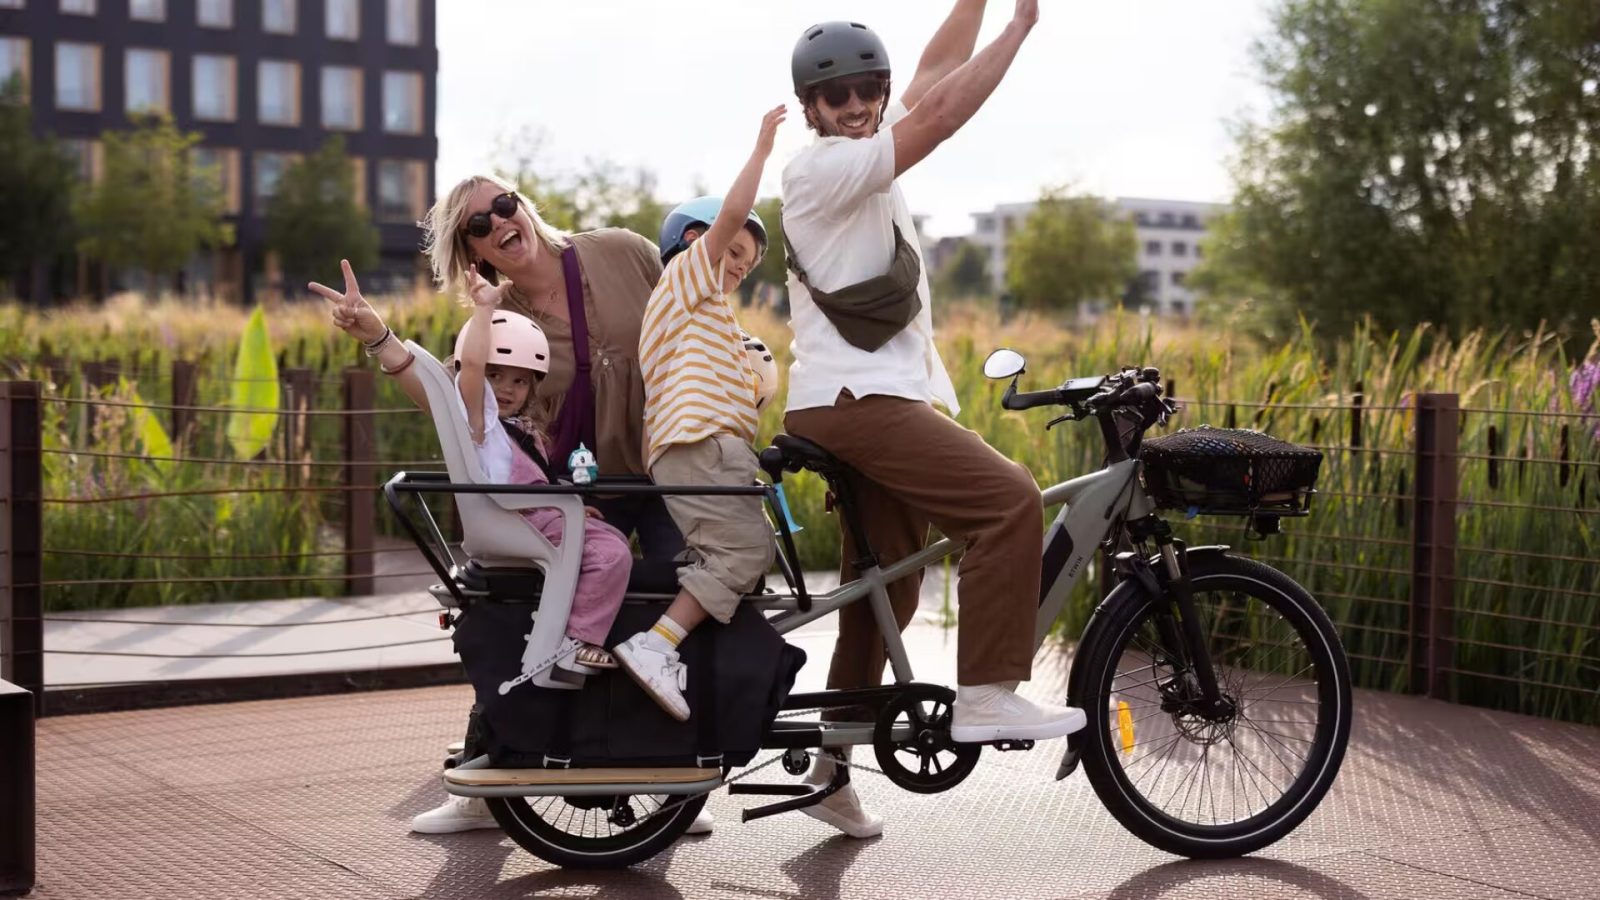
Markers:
point(708, 744)
point(529, 446)
point(580, 323)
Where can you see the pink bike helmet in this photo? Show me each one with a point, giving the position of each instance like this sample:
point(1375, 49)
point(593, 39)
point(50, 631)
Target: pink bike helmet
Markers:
point(514, 340)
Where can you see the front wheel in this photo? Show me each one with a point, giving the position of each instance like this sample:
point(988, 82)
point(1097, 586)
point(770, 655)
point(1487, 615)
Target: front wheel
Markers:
point(1215, 783)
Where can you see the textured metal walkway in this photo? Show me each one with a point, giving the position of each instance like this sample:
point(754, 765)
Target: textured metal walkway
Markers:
point(311, 797)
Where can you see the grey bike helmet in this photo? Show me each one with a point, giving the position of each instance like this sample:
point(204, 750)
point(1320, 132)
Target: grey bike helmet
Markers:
point(834, 50)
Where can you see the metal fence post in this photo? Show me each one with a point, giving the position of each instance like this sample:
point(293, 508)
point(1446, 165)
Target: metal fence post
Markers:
point(183, 383)
point(17, 791)
point(360, 505)
point(298, 396)
point(21, 558)
point(1433, 544)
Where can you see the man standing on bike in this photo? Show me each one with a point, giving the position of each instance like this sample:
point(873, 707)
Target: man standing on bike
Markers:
point(866, 372)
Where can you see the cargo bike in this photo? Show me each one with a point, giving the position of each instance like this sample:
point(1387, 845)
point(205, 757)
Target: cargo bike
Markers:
point(1216, 690)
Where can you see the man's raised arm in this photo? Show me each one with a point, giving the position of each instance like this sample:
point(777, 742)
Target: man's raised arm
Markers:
point(951, 102)
point(951, 46)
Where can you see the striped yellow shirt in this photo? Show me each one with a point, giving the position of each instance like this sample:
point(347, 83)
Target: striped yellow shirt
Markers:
point(697, 380)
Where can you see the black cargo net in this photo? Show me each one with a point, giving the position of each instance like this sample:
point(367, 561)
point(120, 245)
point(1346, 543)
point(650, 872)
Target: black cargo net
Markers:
point(1227, 468)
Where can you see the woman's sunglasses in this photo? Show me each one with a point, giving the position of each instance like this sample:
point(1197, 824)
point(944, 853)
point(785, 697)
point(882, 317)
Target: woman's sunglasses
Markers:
point(505, 206)
point(837, 93)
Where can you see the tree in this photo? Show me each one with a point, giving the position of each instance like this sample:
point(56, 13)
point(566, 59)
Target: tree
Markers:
point(965, 273)
point(37, 179)
point(313, 220)
point(155, 207)
point(1425, 161)
point(1071, 248)
point(774, 269)
point(600, 194)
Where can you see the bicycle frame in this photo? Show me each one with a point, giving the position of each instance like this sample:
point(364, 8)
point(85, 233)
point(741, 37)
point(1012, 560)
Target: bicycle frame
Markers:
point(1090, 506)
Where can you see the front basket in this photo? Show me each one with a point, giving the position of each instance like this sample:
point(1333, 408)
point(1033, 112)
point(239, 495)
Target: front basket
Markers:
point(1229, 471)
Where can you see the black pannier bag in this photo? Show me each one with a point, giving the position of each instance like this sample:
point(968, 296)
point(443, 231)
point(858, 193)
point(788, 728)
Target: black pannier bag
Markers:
point(739, 677)
point(1229, 471)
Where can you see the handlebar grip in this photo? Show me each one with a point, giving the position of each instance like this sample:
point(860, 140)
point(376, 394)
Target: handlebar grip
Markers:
point(1031, 399)
point(1141, 392)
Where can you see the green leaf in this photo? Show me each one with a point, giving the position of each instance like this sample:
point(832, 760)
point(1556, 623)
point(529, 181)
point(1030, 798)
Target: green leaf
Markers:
point(152, 436)
point(255, 387)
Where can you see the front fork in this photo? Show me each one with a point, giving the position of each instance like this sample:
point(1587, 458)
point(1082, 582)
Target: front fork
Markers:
point(1177, 622)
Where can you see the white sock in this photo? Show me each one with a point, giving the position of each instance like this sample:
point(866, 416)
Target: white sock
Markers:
point(980, 693)
point(665, 635)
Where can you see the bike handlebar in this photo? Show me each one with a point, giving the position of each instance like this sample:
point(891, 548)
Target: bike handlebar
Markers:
point(1019, 400)
point(1133, 396)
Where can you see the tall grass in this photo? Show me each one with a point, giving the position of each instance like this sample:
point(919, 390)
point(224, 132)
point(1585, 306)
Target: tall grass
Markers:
point(1533, 646)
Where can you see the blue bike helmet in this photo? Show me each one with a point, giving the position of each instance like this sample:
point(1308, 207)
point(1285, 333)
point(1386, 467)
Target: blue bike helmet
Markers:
point(699, 213)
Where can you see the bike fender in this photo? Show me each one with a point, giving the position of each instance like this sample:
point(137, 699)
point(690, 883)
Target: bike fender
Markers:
point(1122, 593)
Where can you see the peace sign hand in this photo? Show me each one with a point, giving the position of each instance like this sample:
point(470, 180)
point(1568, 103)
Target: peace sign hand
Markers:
point(351, 311)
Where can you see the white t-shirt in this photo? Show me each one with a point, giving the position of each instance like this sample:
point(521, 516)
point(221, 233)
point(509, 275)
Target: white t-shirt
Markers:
point(840, 203)
point(494, 454)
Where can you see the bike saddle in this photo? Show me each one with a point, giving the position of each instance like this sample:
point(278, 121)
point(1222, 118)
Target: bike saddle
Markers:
point(795, 453)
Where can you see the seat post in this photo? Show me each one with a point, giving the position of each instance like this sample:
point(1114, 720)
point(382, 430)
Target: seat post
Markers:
point(839, 483)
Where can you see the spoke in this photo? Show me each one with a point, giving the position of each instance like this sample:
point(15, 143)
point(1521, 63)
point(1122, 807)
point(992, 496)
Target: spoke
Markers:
point(1252, 781)
point(1164, 756)
point(1310, 665)
point(1205, 780)
point(938, 768)
point(1300, 756)
point(1253, 765)
point(1191, 781)
point(924, 767)
point(1124, 689)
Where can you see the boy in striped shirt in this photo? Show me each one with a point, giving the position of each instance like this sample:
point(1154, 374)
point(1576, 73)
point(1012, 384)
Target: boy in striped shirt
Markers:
point(700, 419)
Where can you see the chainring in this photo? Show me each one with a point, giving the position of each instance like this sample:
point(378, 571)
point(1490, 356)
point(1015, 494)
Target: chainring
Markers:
point(927, 761)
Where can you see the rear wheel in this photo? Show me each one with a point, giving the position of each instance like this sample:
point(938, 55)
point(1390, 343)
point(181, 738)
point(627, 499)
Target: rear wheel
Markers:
point(596, 832)
point(1216, 783)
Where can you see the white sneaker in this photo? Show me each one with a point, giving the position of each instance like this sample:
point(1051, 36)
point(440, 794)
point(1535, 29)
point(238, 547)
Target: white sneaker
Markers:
point(702, 824)
point(455, 814)
point(656, 670)
point(990, 712)
point(842, 809)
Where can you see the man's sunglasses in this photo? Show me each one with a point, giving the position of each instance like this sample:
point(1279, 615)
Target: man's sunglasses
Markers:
point(837, 93)
point(505, 206)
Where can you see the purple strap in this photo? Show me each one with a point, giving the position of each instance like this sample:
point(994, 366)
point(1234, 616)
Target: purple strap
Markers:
point(575, 422)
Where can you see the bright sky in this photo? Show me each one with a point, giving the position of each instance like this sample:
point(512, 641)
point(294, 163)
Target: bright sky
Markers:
point(1126, 98)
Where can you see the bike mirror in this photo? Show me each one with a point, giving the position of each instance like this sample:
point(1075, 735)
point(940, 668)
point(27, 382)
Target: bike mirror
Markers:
point(1004, 363)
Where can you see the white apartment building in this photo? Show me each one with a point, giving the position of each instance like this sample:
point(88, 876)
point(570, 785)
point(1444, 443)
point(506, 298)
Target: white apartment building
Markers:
point(1170, 235)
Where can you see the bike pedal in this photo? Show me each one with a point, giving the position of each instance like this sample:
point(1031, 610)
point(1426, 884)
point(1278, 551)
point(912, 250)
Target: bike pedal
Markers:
point(1008, 745)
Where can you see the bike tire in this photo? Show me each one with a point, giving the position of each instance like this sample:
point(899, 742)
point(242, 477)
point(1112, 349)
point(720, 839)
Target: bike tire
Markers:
point(529, 822)
point(1115, 772)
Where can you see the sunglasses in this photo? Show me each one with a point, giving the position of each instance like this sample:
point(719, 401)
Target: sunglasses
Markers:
point(479, 224)
point(837, 92)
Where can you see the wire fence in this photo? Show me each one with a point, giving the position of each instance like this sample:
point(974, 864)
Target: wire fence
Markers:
point(1453, 546)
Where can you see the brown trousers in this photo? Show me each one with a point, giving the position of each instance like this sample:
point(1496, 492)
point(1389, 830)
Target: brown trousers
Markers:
point(916, 466)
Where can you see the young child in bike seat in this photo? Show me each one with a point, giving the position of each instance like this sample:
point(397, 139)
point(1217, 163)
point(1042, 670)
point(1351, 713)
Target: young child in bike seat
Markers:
point(510, 448)
point(700, 417)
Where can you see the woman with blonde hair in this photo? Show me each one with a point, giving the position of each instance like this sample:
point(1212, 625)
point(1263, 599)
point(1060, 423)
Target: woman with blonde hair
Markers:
point(587, 291)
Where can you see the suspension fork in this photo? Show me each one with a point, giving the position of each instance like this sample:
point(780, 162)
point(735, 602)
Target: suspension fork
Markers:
point(1187, 634)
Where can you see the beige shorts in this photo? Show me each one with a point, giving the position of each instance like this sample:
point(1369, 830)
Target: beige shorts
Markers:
point(729, 538)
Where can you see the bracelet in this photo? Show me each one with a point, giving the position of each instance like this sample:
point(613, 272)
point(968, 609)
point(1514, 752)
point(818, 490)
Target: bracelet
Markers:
point(410, 358)
point(376, 347)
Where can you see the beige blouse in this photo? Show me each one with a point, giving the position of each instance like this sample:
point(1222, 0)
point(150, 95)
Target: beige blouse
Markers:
point(620, 270)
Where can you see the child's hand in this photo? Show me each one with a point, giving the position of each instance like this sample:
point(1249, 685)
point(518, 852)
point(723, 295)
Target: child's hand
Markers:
point(593, 513)
point(351, 311)
point(769, 128)
point(483, 293)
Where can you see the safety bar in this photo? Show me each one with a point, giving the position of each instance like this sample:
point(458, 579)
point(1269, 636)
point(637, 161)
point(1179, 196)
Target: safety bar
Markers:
point(420, 483)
